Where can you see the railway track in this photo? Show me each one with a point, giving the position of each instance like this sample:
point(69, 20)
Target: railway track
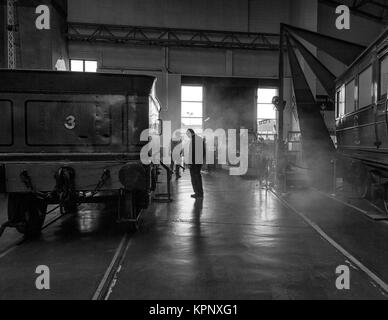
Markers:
point(381, 215)
point(369, 272)
point(110, 276)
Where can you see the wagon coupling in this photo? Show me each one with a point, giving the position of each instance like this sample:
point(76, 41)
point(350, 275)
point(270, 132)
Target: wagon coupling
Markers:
point(104, 178)
point(26, 179)
point(65, 189)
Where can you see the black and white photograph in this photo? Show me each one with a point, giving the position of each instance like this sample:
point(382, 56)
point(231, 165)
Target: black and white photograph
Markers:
point(187, 156)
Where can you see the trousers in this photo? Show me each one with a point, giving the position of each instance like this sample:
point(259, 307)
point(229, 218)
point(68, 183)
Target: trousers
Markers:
point(196, 179)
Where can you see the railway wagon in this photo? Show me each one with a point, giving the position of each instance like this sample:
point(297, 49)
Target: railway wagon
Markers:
point(362, 121)
point(68, 138)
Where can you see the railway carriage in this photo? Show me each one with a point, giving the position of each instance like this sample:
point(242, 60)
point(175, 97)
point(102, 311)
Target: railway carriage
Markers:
point(362, 120)
point(68, 138)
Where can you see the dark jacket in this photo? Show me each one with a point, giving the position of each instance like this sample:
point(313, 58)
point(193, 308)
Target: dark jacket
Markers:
point(197, 150)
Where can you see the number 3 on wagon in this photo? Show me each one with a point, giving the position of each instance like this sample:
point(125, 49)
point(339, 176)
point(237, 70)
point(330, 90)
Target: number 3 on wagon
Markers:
point(70, 123)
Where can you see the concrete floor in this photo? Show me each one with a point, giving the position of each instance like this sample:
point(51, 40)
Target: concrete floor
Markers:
point(240, 242)
point(77, 249)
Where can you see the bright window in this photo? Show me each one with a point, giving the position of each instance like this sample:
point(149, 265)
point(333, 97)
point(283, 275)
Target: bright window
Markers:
point(365, 88)
point(83, 65)
point(341, 101)
point(266, 113)
point(192, 108)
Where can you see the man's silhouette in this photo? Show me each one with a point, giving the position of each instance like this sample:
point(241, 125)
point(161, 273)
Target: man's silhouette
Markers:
point(195, 161)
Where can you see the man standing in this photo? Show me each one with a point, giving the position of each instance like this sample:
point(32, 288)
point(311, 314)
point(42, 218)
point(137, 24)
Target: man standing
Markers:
point(195, 161)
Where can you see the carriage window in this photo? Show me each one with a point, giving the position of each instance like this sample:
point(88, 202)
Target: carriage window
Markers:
point(154, 109)
point(383, 76)
point(365, 88)
point(337, 97)
point(341, 101)
point(349, 97)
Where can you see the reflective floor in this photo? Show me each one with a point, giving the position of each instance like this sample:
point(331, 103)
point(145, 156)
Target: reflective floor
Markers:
point(240, 242)
point(77, 249)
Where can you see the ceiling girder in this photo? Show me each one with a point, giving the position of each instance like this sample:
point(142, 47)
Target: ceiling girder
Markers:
point(169, 37)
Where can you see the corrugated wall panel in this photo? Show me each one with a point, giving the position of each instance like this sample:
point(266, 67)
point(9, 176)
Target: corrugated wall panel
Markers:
point(266, 16)
point(200, 14)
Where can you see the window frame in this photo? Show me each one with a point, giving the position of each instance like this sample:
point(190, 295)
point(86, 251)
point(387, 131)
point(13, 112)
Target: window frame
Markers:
point(338, 102)
point(379, 89)
point(83, 64)
point(202, 102)
point(354, 96)
point(370, 66)
point(276, 119)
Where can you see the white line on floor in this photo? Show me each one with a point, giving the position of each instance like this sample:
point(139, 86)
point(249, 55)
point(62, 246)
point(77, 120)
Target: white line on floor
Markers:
point(365, 269)
point(116, 276)
point(119, 252)
point(13, 247)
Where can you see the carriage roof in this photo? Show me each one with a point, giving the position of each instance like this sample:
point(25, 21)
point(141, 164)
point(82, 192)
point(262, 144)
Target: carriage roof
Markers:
point(363, 59)
point(37, 81)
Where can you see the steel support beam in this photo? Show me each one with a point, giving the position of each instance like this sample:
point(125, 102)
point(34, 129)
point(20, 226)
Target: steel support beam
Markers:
point(359, 3)
point(378, 4)
point(169, 37)
point(317, 145)
point(324, 75)
point(280, 157)
point(343, 51)
point(355, 10)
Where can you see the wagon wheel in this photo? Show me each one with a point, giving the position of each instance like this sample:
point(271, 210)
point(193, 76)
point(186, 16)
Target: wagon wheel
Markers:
point(386, 206)
point(69, 207)
point(128, 209)
point(362, 182)
point(141, 202)
point(27, 212)
point(362, 187)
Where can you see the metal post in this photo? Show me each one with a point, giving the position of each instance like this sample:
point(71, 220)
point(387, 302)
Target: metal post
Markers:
point(279, 151)
point(164, 196)
point(334, 163)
